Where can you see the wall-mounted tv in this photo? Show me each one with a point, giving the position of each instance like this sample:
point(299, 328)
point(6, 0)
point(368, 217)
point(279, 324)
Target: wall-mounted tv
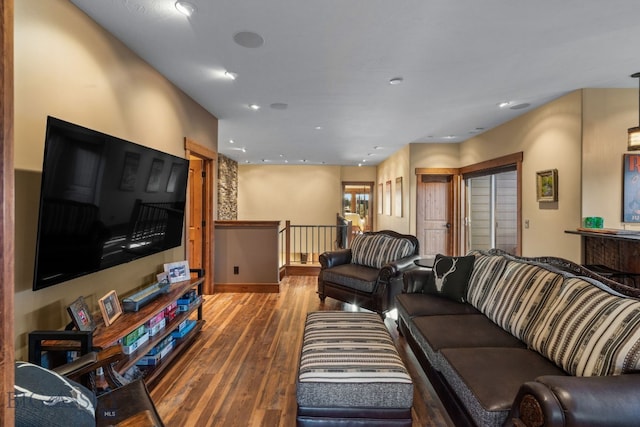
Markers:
point(104, 201)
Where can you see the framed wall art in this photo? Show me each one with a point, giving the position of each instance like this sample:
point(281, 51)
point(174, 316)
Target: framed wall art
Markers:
point(387, 198)
point(380, 199)
point(110, 307)
point(631, 188)
point(547, 185)
point(399, 197)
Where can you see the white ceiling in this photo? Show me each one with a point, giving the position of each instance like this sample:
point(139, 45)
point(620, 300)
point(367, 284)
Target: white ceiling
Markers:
point(330, 61)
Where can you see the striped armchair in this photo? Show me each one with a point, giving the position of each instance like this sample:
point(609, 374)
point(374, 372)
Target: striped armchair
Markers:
point(369, 273)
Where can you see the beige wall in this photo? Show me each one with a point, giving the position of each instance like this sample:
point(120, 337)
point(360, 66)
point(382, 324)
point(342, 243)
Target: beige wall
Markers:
point(396, 166)
point(68, 67)
point(305, 195)
point(551, 138)
point(608, 113)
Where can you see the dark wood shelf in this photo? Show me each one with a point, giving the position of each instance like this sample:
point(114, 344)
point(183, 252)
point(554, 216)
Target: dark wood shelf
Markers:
point(607, 233)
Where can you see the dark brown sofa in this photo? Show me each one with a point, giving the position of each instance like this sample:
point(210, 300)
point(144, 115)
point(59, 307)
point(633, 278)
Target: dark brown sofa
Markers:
point(369, 273)
point(536, 342)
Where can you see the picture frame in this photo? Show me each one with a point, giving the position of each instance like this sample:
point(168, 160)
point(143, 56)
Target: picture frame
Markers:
point(178, 271)
point(387, 198)
point(380, 199)
point(547, 185)
point(153, 183)
point(631, 188)
point(129, 171)
point(398, 208)
point(81, 315)
point(110, 307)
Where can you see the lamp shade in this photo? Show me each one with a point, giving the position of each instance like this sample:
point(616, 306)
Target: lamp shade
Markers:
point(633, 142)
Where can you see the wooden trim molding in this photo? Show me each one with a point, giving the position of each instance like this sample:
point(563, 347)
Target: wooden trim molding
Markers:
point(437, 171)
point(247, 224)
point(210, 159)
point(264, 288)
point(7, 214)
point(510, 159)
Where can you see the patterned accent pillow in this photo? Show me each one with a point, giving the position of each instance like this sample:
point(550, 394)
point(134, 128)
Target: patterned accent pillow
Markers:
point(42, 397)
point(587, 331)
point(376, 250)
point(450, 277)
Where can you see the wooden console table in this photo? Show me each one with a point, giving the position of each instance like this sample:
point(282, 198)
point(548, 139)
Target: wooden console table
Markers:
point(128, 322)
point(616, 250)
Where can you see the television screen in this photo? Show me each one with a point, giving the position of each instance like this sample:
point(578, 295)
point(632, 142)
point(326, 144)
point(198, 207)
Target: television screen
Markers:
point(104, 201)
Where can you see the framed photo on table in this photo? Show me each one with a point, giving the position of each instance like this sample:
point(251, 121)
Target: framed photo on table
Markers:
point(81, 316)
point(178, 271)
point(110, 307)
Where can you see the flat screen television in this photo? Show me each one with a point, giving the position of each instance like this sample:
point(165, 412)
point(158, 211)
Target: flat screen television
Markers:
point(104, 201)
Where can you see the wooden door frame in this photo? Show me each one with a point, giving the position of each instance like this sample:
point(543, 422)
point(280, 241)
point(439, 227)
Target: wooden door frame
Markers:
point(7, 214)
point(209, 164)
point(454, 200)
point(514, 159)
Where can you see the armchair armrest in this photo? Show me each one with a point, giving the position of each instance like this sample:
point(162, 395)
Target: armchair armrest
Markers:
point(395, 268)
point(333, 258)
point(415, 280)
point(577, 402)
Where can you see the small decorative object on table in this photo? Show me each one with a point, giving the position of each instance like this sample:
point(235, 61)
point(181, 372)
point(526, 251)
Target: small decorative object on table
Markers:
point(81, 316)
point(110, 307)
point(178, 271)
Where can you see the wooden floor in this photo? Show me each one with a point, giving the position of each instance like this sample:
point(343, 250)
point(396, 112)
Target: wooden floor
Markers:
point(241, 371)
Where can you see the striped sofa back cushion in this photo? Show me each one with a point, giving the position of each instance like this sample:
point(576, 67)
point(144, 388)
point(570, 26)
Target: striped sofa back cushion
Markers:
point(588, 331)
point(520, 297)
point(487, 270)
point(376, 250)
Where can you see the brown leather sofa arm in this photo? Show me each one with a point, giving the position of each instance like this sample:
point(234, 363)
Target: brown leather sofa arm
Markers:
point(554, 401)
point(415, 280)
point(395, 268)
point(333, 258)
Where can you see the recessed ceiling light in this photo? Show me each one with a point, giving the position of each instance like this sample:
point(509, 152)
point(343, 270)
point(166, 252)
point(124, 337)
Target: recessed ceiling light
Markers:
point(318, 128)
point(449, 137)
point(520, 106)
point(254, 107)
point(248, 39)
point(185, 8)
point(396, 81)
point(230, 75)
point(504, 104)
point(377, 147)
point(231, 141)
point(244, 150)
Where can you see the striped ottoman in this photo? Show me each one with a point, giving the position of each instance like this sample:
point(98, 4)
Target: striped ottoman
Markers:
point(351, 374)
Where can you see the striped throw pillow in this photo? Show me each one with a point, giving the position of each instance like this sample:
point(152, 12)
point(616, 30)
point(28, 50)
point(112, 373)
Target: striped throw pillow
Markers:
point(486, 272)
point(376, 250)
point(588, 331)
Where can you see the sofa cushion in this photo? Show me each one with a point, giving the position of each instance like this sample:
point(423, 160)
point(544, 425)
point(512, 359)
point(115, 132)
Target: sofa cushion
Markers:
point(435, 333)
point(411, 305)
point(520, 297)
point(486, 272)
point(450, 277)
point(359, 277)
point(376, 250)
point(43, 397)
point(588, 331)
point(487, 379)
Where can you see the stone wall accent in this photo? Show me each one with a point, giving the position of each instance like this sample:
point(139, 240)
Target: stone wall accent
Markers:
point(227, 189)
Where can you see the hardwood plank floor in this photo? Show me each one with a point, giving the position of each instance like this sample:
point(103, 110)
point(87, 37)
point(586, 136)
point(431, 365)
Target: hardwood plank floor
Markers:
point(241, 371)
